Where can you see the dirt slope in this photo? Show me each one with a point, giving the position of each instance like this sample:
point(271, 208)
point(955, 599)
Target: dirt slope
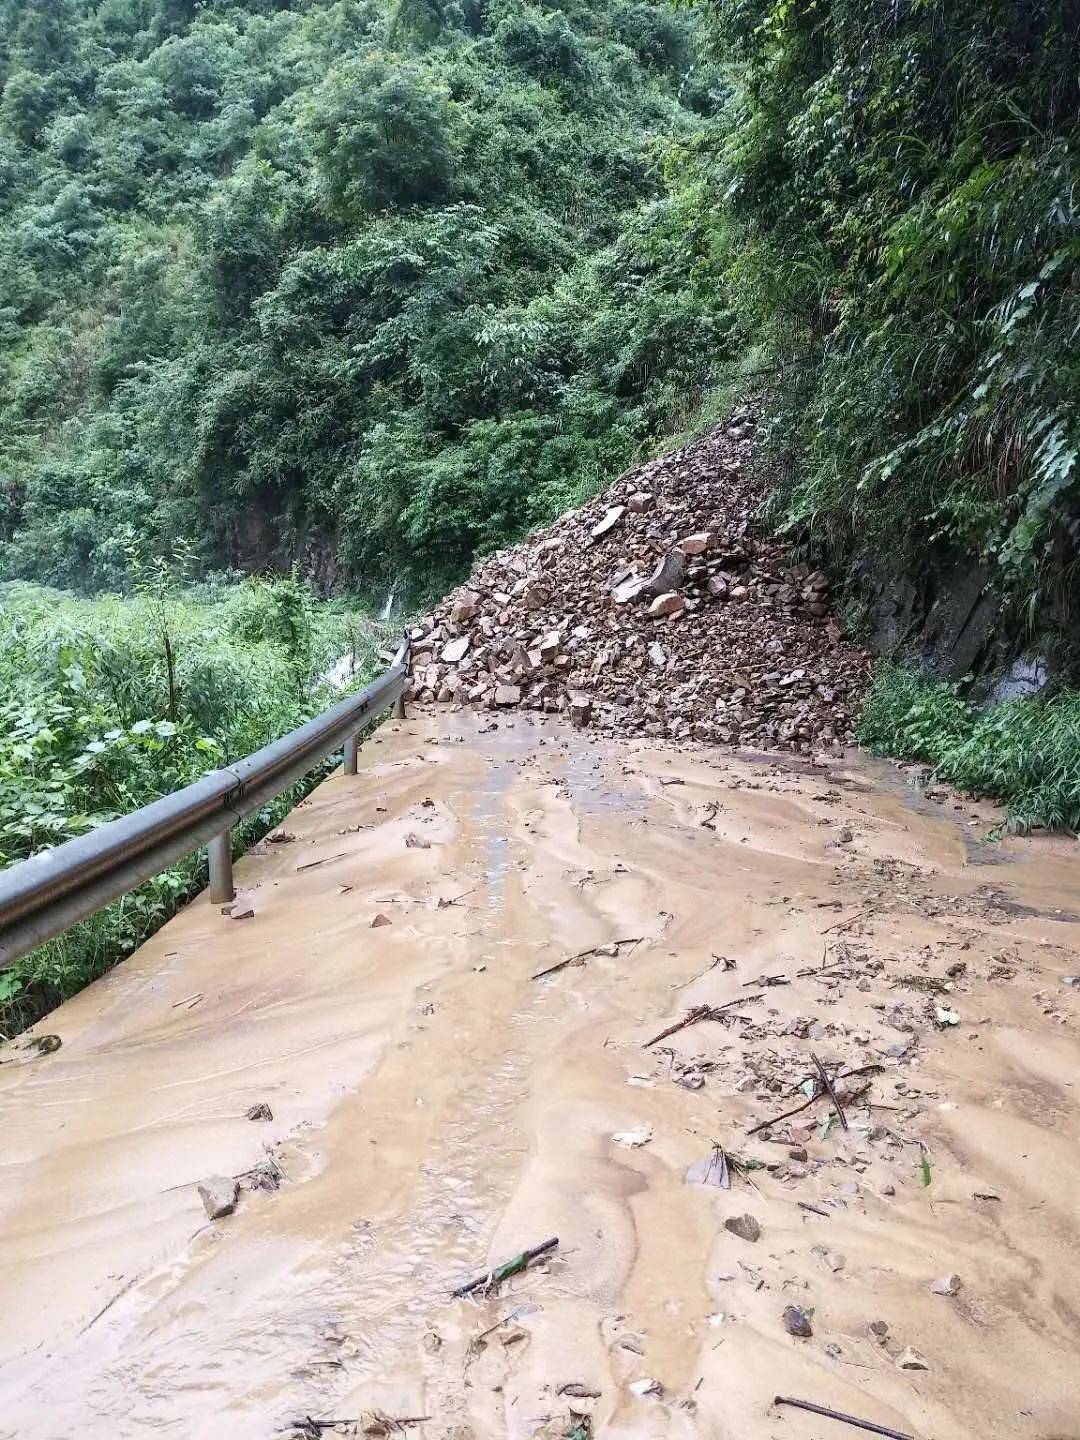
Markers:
point(658, 609)
point(435, 1110)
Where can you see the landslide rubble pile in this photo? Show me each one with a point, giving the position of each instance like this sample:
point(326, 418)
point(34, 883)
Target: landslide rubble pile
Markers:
point(656, 609)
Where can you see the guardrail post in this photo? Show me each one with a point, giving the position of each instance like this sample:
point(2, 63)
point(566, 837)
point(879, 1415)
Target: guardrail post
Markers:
point(349, 756)
point(219, 853)
point(399, 707)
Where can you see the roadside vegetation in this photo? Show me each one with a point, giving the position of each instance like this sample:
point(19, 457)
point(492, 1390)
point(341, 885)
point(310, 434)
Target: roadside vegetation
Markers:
point(110, 703)
point(1025, 751)
point(891, 192)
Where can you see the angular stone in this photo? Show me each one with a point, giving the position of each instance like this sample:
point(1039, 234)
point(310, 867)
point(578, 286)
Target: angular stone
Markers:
point(946, 1285)
point(506, 695)
point(670, 573)
point(910, 1359)
point(744, 1226)
point(608, 523)
point(581, 709)
point(218, 1195)
point(697, 544)
point(537, 595)
point(669, 604)
point(454, 650)
point(379, 920)
point(797, 1322)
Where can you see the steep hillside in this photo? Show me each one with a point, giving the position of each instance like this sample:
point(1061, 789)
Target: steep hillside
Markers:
point(370, 284)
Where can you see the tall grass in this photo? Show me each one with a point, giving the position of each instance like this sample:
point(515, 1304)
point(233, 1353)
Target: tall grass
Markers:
point(1025, 752)
point(108, 704)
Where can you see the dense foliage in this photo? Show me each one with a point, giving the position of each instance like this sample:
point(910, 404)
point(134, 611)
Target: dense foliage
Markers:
point(376, 284)
point(108, 704)
point(1024, 751)
point(904, 183)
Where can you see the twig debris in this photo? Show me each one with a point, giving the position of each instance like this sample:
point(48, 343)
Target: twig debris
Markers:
point(491, 1279)
point(697, 1014)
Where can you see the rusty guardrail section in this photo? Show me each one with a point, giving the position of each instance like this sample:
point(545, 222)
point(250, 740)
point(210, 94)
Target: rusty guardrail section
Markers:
point(42, 897)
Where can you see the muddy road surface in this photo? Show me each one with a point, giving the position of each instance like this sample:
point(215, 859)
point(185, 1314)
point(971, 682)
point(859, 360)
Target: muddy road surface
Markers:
point(434, 1110)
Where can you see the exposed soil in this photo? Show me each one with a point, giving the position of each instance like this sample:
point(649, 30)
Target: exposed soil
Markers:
point(421, 1109)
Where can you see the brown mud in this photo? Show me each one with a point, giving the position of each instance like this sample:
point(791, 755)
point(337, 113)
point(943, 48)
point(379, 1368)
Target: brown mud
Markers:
point(436, 1110)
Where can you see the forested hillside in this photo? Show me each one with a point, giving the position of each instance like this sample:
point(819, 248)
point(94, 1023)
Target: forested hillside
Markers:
point(374, 284)
point(905, 181)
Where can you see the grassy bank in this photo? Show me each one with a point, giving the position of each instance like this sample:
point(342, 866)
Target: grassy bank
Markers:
point(1025, 752)
point(110, 703)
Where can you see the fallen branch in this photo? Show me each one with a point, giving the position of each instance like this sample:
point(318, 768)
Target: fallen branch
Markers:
point(491, 1278)
point(843, 924)
point(697, 1014)
point(839, 1415)
point(583, 955)
point(804, 1106)
point(829, 1087)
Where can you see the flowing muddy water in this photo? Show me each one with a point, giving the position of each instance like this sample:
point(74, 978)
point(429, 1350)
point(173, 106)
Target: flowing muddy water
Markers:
point(436, 1110)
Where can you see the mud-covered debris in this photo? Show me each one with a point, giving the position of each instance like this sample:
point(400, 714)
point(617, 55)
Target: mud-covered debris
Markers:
point(576, 1390)
point(879, 1331)
point(646, 1386)
point(218, 1195)
point(744, 1226)
point(280, 837)
point(379, 919)
point(712, 1170)
point(910, 1359)
point(239, 910)
point(633, 1139)
point(416, 842)
point(946, 1285)
point(45, 1044)
point(797, 1322)
point(261, 1111)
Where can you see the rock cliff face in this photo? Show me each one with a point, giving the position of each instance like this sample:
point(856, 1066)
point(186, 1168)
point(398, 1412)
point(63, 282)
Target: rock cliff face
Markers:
point(656, 609)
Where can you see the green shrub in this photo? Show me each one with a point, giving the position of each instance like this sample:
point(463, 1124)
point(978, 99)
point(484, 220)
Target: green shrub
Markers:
point(1025, 751)
point(92, 727)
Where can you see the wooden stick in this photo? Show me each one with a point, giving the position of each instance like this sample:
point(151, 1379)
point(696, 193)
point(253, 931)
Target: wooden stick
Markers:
point(839, 1415)
point(843, 924)
point(583, 955)
point(504, 1271)
point(700, 1012)
point(829, 1087)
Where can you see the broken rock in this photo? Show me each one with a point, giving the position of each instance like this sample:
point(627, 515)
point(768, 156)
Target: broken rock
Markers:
point(669, 604)
point(744, 1226)
point(218, 1195)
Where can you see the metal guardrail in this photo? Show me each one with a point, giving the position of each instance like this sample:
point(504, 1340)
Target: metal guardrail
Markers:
point(42, 897)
